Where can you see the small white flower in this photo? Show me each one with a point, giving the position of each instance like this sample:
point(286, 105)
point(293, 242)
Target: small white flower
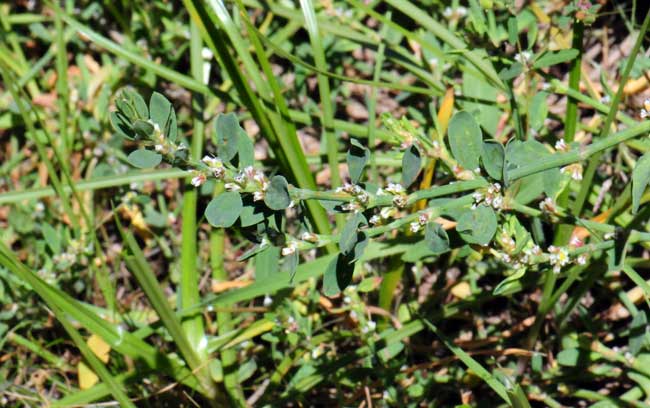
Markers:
point(374, 220)
point(558, 257)
point(415, 227)
point(548, 205)
point(575, 170)
point(372, 325)
point(561, 145)
point(523, 57)
point(644, 114)
point(400, 201)
point(232, 187)
point(387, 212)
point(575, 241)
point(198, 179)
point(258, 196)
point(582, 259)
point(309, 236)
point(212, 162)
point(159, 148)
point(395, 188)
point(289, 249)
point(268, 301)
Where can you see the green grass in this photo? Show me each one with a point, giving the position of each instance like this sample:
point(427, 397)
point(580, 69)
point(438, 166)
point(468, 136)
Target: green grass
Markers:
point(304, 289)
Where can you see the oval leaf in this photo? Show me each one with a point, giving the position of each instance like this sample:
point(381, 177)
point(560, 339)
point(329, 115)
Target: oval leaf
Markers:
point(477, 226)
point(357, 158)
point(640, 180)
point(350, 234)
point(144, 159)
point(338, 275)
point(223, 210)
point(245, 149)
point(411, 164)
point(277, 195)
point(162, 112)
point(492, 158)
point(122, 125)
point(465, 139)
point(227, 128)
point(436, 238)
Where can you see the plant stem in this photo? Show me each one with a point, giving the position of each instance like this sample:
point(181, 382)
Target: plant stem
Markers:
point(190, 274)
point(587, 181)
point(224, 319)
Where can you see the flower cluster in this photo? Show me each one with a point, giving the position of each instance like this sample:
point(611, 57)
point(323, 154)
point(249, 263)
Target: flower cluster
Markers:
point(415, 226)
point(490, 196)
point(398, 193)
point(162, 144)
point(361, 197)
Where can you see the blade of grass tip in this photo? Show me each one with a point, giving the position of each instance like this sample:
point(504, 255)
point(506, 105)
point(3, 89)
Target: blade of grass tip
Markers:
point(94, 184)
point(9, 80)
point(374, 83)
point(224, 319)
point(372, 102)
point(62, 88)
point(139, 60)
point(390, 279)
point(85, 397)
point(587, 180)
point(563, 232)
point(442, 121)
point(423, 18)
point(288, 152)
point(472, 364)
point(190, 276)
point(328, 135)
point(115, 387)
point(121, 341)
point(13, 40)
point(137, 264)
point(283, 117)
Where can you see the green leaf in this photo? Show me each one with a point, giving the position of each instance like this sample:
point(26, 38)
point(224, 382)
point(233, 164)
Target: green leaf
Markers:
point(223, 210)
point(436, 238)
point(139, 104)
point(549, 58)
point(509, 283)
point(411, 164)
point(251, 214)
point(338, 275)
point(267, 263)
point(245, 149)
point(144, 159)
point(277, 195)
point(351, 234)
point(466, 140)
point(570, 357)
point(143, 128)
point(511, 72)
point(538, 111)
point(357, 158)
point(640, 180)
point(122, 125)
point(477, 226)
point(638, 332)
point(52, 238)
point(227, 129)
point(520, 154)
point(492, 157)
point(163, 114)
point(290, 264)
